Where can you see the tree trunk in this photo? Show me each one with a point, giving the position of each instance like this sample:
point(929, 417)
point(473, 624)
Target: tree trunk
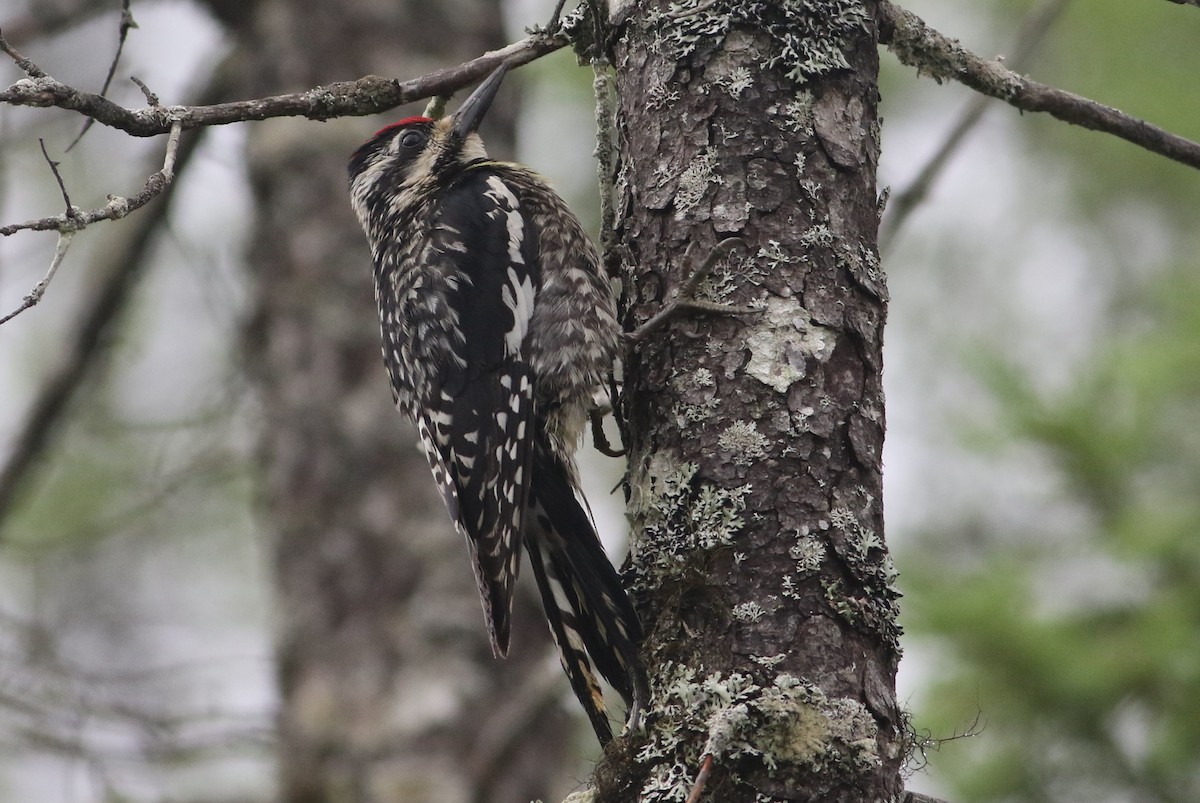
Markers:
point(388, 688)
point(755, 440)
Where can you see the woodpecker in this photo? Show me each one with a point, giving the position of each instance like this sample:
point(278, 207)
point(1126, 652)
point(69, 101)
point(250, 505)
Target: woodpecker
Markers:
point(498, 328)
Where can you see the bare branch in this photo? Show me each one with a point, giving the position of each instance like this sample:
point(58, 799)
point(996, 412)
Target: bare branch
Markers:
point(35, 295)
point(27, 66)
point(151, 98)
point(368, 95)
point(62, 187)
point(1029, 38)
point(69, 224)
point(706, 766)
point(117, 206)
point(127, 22)
point(81, 357)
point(918, 45)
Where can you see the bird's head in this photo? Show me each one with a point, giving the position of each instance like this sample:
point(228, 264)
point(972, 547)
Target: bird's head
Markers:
point(417, 150)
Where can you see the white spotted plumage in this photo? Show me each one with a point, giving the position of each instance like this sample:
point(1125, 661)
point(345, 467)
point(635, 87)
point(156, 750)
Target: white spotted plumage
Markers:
point(498, 328)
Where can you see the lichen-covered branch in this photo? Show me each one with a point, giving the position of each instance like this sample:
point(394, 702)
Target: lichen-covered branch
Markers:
point(368, 95)
point(918, 45)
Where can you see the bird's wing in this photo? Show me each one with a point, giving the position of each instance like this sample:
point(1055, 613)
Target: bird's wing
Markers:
point(475, 428)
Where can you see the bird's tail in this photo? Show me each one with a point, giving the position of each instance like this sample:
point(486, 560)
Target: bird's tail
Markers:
point(590, 616)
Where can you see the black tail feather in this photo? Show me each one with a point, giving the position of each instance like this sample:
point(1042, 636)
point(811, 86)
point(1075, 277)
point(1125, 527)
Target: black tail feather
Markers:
point(590, 616)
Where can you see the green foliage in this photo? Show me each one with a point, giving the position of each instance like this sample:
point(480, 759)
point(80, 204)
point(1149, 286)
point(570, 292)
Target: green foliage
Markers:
point(1081, 652)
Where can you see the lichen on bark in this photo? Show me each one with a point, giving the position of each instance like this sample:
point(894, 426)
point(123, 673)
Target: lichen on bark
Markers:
point(758, 559)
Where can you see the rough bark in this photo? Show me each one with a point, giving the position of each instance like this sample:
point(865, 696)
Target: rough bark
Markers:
point(755, 441)
point(388, 689)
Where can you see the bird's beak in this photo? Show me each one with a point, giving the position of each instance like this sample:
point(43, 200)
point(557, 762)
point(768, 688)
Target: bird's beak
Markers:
point(470, 114)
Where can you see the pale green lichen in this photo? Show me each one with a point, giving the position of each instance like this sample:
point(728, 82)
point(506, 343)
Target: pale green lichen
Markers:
point(716, 287)
point(701, 411)
point(798, 420)
point(749, 611)
point(736, 269)
point(795, 115)
point(769, 660)
point(693, 183)
point(659, 96)
point(676, 516)
point(737, 81)
point(807, 37)
point(818, 235)
point(698, 401)
point(789, 726)
point(774, 256)
point(744, 443)
point(667, 782)
point(842, 518)
point(843, 606)
point(808, 553)
point(862, 549)
point(782, 341)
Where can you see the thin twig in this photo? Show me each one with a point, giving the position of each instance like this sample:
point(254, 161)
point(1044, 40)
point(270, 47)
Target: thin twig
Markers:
point(27, 66)
point(369, 95)
point(66, 232)
point(151, 98)
point(1029, 38)
point(117, 206)
point(918, 45)
point(73, 219)
point(685, 298)
point(35, 295)
point(435, 109)
point(82, 356)
point(62, 186)
point(127, 22)
point(115, 276)
point(706, 766)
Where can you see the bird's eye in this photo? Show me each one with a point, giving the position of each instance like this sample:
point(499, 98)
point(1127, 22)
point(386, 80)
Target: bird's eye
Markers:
point(411, 139)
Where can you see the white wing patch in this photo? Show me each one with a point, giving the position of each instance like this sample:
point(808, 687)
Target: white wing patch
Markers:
point(518, 292)
point(518, 296)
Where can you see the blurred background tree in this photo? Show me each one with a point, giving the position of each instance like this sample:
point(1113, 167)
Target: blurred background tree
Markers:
point(1049, 371)
point(1043, 377)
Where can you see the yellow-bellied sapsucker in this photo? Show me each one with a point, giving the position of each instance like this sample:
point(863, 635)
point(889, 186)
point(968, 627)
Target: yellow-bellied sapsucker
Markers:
point(498, 326)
